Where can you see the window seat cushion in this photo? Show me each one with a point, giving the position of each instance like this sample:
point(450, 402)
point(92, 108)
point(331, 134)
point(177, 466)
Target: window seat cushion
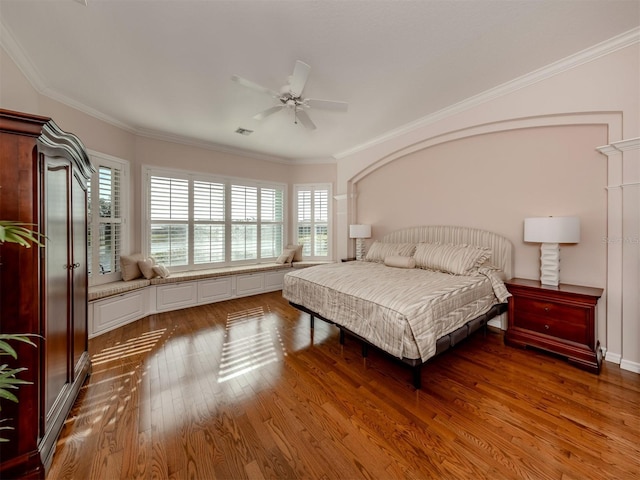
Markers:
point(218, 272)
point(116, 288)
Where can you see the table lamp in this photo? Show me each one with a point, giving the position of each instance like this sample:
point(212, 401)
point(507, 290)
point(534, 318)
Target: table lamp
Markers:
point(359, 232)
point(551, 232)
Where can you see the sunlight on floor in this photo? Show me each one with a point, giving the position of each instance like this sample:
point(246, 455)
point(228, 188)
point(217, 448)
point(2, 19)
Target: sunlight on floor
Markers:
point(250, 351)
point(134, 346)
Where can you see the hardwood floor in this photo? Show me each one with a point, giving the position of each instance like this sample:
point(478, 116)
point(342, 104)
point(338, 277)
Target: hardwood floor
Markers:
point(244, 389)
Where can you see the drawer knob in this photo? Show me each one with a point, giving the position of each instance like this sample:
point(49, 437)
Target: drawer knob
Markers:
point(546, 327)
point(546, 309)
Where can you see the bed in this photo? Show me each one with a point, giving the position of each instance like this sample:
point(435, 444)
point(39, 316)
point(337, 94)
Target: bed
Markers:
point(418, 292)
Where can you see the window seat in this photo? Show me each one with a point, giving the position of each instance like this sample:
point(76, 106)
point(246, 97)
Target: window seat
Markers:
point(105, 290)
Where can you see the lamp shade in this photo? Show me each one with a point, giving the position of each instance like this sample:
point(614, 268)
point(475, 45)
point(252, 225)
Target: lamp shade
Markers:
point(359, 231)
point(552, 229)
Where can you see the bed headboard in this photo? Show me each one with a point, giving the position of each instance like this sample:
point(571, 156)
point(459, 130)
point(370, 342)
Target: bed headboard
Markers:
point(501, 247)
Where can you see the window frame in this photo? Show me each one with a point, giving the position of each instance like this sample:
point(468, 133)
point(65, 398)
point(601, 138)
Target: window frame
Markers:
point(313, 187)
point(148, 171)
point(97, 160)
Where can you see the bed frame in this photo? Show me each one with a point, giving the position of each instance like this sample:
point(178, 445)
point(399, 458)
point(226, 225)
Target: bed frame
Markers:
point(501, 256)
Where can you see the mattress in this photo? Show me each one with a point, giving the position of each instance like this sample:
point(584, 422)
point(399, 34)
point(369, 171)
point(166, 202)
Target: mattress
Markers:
point(402, 311)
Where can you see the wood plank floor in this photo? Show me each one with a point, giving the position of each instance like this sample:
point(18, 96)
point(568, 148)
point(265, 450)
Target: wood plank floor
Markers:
point(244, 389)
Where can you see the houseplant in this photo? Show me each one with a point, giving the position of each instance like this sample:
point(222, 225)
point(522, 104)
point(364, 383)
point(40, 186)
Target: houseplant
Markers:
point(19, 233)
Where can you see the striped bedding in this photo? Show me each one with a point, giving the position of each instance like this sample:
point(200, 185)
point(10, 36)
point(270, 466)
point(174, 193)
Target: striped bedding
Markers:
point(402, 311)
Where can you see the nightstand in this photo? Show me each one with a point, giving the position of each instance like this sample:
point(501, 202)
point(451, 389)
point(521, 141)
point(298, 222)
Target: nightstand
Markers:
point(559, 319)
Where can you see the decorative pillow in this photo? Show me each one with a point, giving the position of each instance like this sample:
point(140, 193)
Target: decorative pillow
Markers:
point(129, 266)
point(378, 251)
point(146, 267)
point(161, 271)
point(456, 259)
point(286, 256)
point(399, 261)
point(297, 256)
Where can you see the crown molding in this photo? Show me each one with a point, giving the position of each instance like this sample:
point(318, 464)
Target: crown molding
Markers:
point(614, 44)
point(35, 78)
point(182, 140)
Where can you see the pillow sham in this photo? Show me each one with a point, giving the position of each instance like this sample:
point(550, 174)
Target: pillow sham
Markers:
point(455, 259)
point(129, 266)
point(378, 251)
point(398, 261)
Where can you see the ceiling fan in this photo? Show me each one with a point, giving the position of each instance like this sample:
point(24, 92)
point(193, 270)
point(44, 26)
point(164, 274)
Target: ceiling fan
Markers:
point(290, 97)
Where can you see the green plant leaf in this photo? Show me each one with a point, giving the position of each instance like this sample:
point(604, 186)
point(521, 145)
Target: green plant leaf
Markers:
point(8, 395)
point(23, 337)
point(6, 349)
point(17, 232)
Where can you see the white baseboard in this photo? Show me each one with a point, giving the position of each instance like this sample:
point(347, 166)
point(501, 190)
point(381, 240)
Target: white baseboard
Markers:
point(631, 366)
point(613, 357)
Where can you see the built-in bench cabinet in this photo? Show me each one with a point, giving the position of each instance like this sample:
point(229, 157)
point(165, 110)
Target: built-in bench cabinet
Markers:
point(112, 312)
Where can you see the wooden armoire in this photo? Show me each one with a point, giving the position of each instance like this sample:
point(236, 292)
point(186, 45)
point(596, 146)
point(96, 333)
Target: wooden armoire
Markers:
point(43, 181)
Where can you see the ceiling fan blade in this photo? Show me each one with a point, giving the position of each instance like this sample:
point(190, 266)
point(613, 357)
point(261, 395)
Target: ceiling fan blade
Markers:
point(254, 86)
point(305, 120)
point(267, 112)
point(327, 104)
point(299, 78)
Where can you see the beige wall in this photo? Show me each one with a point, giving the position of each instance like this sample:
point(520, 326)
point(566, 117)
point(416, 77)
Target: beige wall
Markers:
point(493, 182)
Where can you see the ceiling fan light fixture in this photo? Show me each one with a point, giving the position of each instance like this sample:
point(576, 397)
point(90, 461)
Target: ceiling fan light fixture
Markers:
point(290, 97)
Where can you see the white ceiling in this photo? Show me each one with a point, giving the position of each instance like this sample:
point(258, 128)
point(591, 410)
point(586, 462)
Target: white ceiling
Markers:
point(163, 68)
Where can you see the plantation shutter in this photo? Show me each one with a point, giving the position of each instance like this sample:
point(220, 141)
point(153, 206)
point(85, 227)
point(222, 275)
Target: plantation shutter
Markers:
point(169, 215)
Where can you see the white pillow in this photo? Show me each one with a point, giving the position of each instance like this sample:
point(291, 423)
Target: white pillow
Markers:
point(456, 259)
point(286, 256)
point(399, 261)
point(146, 267)
point(297, 256)
point(378, 251)
point(129, 266)
point(161, 271)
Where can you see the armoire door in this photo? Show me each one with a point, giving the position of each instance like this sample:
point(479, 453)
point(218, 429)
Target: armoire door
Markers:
point(57, 177)
point(79, 275)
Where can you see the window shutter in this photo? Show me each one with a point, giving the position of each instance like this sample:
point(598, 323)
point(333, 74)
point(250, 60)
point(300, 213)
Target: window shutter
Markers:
point(169, 214)
point(208, 237)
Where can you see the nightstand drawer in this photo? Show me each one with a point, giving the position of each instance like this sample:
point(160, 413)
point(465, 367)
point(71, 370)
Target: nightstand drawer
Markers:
point(552, 310)
point(573, 332)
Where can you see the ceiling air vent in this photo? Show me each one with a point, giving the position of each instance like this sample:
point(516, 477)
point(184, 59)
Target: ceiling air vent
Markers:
point(244, 131)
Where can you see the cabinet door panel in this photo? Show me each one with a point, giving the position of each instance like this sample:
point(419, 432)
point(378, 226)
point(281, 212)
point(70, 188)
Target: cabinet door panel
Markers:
point(79, 214)
point(56, 288)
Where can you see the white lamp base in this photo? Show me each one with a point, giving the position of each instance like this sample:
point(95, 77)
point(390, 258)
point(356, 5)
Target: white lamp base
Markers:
point(359, 248)
point(550, 264)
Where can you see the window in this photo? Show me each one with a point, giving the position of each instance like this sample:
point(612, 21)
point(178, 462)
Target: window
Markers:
point(106, 212)
point(313, 219)
point(197, 221)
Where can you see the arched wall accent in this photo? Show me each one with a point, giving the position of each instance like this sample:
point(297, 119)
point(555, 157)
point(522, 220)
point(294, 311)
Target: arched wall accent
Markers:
point(613, 121)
